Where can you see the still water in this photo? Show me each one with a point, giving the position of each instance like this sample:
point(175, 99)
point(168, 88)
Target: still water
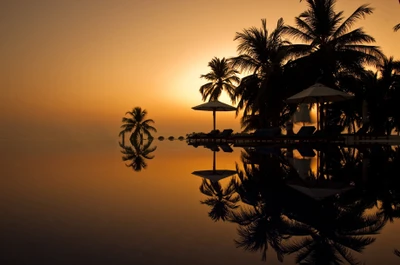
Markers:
point(80, 203)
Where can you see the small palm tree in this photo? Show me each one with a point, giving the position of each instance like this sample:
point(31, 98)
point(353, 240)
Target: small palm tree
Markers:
point(221, 77)
point(388, 69)
point(397, 27)
point(138, 124)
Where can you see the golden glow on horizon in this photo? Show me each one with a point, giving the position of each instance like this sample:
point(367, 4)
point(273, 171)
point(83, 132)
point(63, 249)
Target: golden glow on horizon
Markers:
point(87, 64)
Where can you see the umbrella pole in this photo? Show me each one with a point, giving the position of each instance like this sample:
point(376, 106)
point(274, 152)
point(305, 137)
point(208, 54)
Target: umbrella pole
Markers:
point(214, 119)
point(317, 116)
point(214, 158)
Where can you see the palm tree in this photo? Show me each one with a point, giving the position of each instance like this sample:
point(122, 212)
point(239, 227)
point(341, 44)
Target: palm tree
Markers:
point(389, 70)
point(363, 84)
point(397, 27)
point(381, 92)
point(329, 45)
point(262, 54)
point(138, 124)
point(221, 77)
point(222, 201)
point(137, 155)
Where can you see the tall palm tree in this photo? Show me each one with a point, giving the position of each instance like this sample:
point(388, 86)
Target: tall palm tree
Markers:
point(138, 124)
point(262, 54)
point(221, 77)
point(329, 45)
point(221, 200)
point(363, 84)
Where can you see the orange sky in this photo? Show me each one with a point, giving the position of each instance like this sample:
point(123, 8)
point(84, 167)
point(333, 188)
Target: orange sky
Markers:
point(73, 68)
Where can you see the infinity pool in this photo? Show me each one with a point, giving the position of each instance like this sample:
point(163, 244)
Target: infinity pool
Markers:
point(79, 203)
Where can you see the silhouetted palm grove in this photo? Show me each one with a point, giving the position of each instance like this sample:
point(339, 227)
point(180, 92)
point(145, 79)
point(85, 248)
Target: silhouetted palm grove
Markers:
point(272, 215)
point(323, 45)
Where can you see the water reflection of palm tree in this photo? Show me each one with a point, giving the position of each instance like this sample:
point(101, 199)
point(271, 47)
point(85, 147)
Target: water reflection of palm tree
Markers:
point(138, 124)
point(383, 187)
point(137, 154)
point(340, 164)
point(262, 222)
point(335, 233)
point(330, 231)
point(263, 226)
point(221, 200)
point(389, 207)
point(321, 232)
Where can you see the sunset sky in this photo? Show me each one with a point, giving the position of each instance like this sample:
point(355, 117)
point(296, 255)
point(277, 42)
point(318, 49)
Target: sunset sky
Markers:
point(73, 68)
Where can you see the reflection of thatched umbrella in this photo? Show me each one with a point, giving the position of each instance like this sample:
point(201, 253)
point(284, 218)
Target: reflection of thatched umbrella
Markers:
point(214, 106)
point(214, 174)
point(319, 190)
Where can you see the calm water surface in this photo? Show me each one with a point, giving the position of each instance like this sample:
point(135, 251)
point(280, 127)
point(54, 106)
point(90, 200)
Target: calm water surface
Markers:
point(78, 203)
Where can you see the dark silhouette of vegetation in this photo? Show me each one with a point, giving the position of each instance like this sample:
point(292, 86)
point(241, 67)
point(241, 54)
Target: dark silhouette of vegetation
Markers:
point(260, 94)
point(330, 49)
